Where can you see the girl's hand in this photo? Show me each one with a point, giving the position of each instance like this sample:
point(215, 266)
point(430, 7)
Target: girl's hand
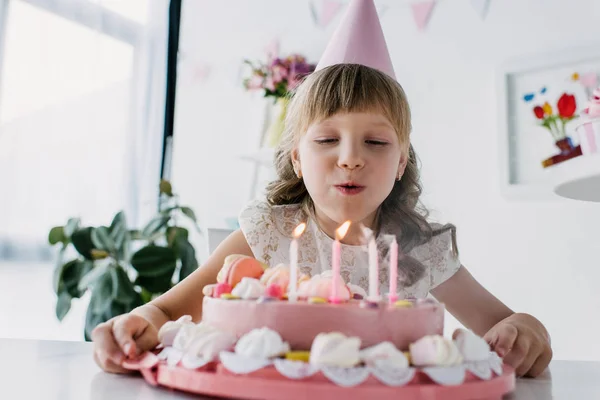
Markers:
point(125, 336)
point(523, 343)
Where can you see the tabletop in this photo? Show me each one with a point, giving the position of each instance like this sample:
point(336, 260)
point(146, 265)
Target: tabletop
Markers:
point(53, 370)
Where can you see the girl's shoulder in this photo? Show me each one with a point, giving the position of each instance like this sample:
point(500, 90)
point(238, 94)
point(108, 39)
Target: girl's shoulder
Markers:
point(260, 216)
point(439, 253)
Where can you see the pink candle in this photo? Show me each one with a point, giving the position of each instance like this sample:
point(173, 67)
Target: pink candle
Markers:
point(393, 270)
point(336, 259)
point(292, 287)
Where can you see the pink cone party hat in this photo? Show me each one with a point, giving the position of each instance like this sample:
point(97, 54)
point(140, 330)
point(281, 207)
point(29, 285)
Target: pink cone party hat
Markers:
point(359, 40)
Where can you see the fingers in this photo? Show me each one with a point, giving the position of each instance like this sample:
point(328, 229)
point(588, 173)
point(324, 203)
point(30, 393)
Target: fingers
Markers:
point(125, 329)
point(106, 363)
point(504, 338)
point(541, 363)
point(523, 362)
point(105, 347)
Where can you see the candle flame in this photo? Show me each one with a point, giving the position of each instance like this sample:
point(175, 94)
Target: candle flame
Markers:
point(299, 230)
point(342, 230)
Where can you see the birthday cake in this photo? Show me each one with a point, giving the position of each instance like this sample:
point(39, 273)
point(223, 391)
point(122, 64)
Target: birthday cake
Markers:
point(261, 339)
point(588, 125)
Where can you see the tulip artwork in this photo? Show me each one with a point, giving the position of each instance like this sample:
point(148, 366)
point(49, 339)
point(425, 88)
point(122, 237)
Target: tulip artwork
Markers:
point(555, 123)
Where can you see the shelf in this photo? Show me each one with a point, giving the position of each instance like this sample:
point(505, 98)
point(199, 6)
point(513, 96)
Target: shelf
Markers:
point(582, 182)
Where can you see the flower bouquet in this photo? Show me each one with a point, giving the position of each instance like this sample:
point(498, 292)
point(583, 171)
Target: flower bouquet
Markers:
point(555, 124)
point(277, 77)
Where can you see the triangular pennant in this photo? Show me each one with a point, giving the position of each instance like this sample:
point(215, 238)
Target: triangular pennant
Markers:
point(272, 49)
point(329, 10)
point(481, 7)
point(421, 12)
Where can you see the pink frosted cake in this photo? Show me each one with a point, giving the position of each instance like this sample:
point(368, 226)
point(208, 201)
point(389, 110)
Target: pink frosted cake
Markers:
point(260, 340)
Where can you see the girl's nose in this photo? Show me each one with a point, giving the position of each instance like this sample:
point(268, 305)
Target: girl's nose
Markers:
point(350, 157)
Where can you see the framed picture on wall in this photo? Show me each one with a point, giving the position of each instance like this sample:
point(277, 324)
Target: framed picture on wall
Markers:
point(540, 98)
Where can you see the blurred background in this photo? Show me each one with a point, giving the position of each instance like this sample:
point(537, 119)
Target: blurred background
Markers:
point(101, 99)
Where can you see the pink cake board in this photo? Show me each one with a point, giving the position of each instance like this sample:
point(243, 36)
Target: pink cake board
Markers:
point(219, 383)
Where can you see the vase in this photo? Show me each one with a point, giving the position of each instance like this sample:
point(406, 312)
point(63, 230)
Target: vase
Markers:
point(567, 151)
point(276, 122)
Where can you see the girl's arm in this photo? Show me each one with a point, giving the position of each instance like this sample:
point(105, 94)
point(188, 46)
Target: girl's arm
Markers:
point(471, 303)
point(185, 298)
point(520, 339)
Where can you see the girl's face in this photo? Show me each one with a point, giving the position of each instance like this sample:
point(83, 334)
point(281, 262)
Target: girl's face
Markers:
point(349, 163)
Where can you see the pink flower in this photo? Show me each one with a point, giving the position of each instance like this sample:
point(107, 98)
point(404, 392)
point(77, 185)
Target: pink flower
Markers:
point(255, 82)
point(269, 84)
point(279, 73)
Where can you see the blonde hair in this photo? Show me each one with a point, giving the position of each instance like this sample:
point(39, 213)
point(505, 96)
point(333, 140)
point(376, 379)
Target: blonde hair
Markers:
point(357, 88)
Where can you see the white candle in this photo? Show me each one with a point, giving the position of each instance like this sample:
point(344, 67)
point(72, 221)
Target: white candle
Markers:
point(293, 285)
point(373, 271)
point(336, 260)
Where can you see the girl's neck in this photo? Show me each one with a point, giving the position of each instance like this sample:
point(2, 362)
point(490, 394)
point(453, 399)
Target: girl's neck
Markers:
point(354, 237)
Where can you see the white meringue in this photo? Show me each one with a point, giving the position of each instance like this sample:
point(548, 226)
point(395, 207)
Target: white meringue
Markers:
point(471, 346)
point(208, 344)
point(386, 351)
point(167, 332)
point(188, 333)
point(434, 350)
point(355, 289)
point(335, 349)
point(248, 288)
point(261, 343)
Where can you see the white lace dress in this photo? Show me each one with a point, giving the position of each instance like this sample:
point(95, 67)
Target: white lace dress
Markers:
point(268, 232)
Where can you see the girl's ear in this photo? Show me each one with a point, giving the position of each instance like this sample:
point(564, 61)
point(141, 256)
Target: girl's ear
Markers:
point(296, 162)
point(402, 165)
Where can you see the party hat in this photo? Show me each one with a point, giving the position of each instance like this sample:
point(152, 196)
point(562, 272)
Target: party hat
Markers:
point(359, 40)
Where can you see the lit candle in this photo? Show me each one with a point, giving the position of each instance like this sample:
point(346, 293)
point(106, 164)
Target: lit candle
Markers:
point(336, 259)
point(393, 270)
point(293, 285)
point(373, 271)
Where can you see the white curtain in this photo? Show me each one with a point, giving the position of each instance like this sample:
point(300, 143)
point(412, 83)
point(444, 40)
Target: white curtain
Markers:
point(82, 90)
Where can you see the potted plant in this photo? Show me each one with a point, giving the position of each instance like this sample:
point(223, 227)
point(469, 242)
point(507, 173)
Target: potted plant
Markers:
point(121, 267)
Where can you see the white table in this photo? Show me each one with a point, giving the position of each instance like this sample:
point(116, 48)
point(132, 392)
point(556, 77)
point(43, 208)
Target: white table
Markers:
point(49, 370)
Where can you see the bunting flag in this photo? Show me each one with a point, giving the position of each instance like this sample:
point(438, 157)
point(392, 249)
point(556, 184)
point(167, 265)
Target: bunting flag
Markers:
point(422, 12)
point(272, 49)
point(326, 11)
point(481, 7)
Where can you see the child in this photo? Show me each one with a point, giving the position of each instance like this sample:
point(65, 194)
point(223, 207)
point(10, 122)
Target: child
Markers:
point(346, 155)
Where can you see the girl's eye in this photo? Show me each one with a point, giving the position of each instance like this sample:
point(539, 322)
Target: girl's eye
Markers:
point(377, 143)
point(325, 141)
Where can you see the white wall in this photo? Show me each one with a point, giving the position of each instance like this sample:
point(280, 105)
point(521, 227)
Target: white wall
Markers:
point(537, 257)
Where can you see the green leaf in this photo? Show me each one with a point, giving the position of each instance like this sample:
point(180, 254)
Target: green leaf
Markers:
point(154, 261)
point(71, 274)
point(189, 213)
point(111, 308)
point(56, 276)
point(174, 233)
point(71, 227)
point(122, 288)
point(155, 284)
point(82, 241)
point(102, 239)
point(156, 224)
point(166, 188)
point(118, 233)
point(63, 305)
point(187, 254)
point(56, 235)
point(90, 278)
point(102, 292)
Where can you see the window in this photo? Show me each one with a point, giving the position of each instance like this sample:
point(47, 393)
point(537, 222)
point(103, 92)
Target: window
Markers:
point(71, 106)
